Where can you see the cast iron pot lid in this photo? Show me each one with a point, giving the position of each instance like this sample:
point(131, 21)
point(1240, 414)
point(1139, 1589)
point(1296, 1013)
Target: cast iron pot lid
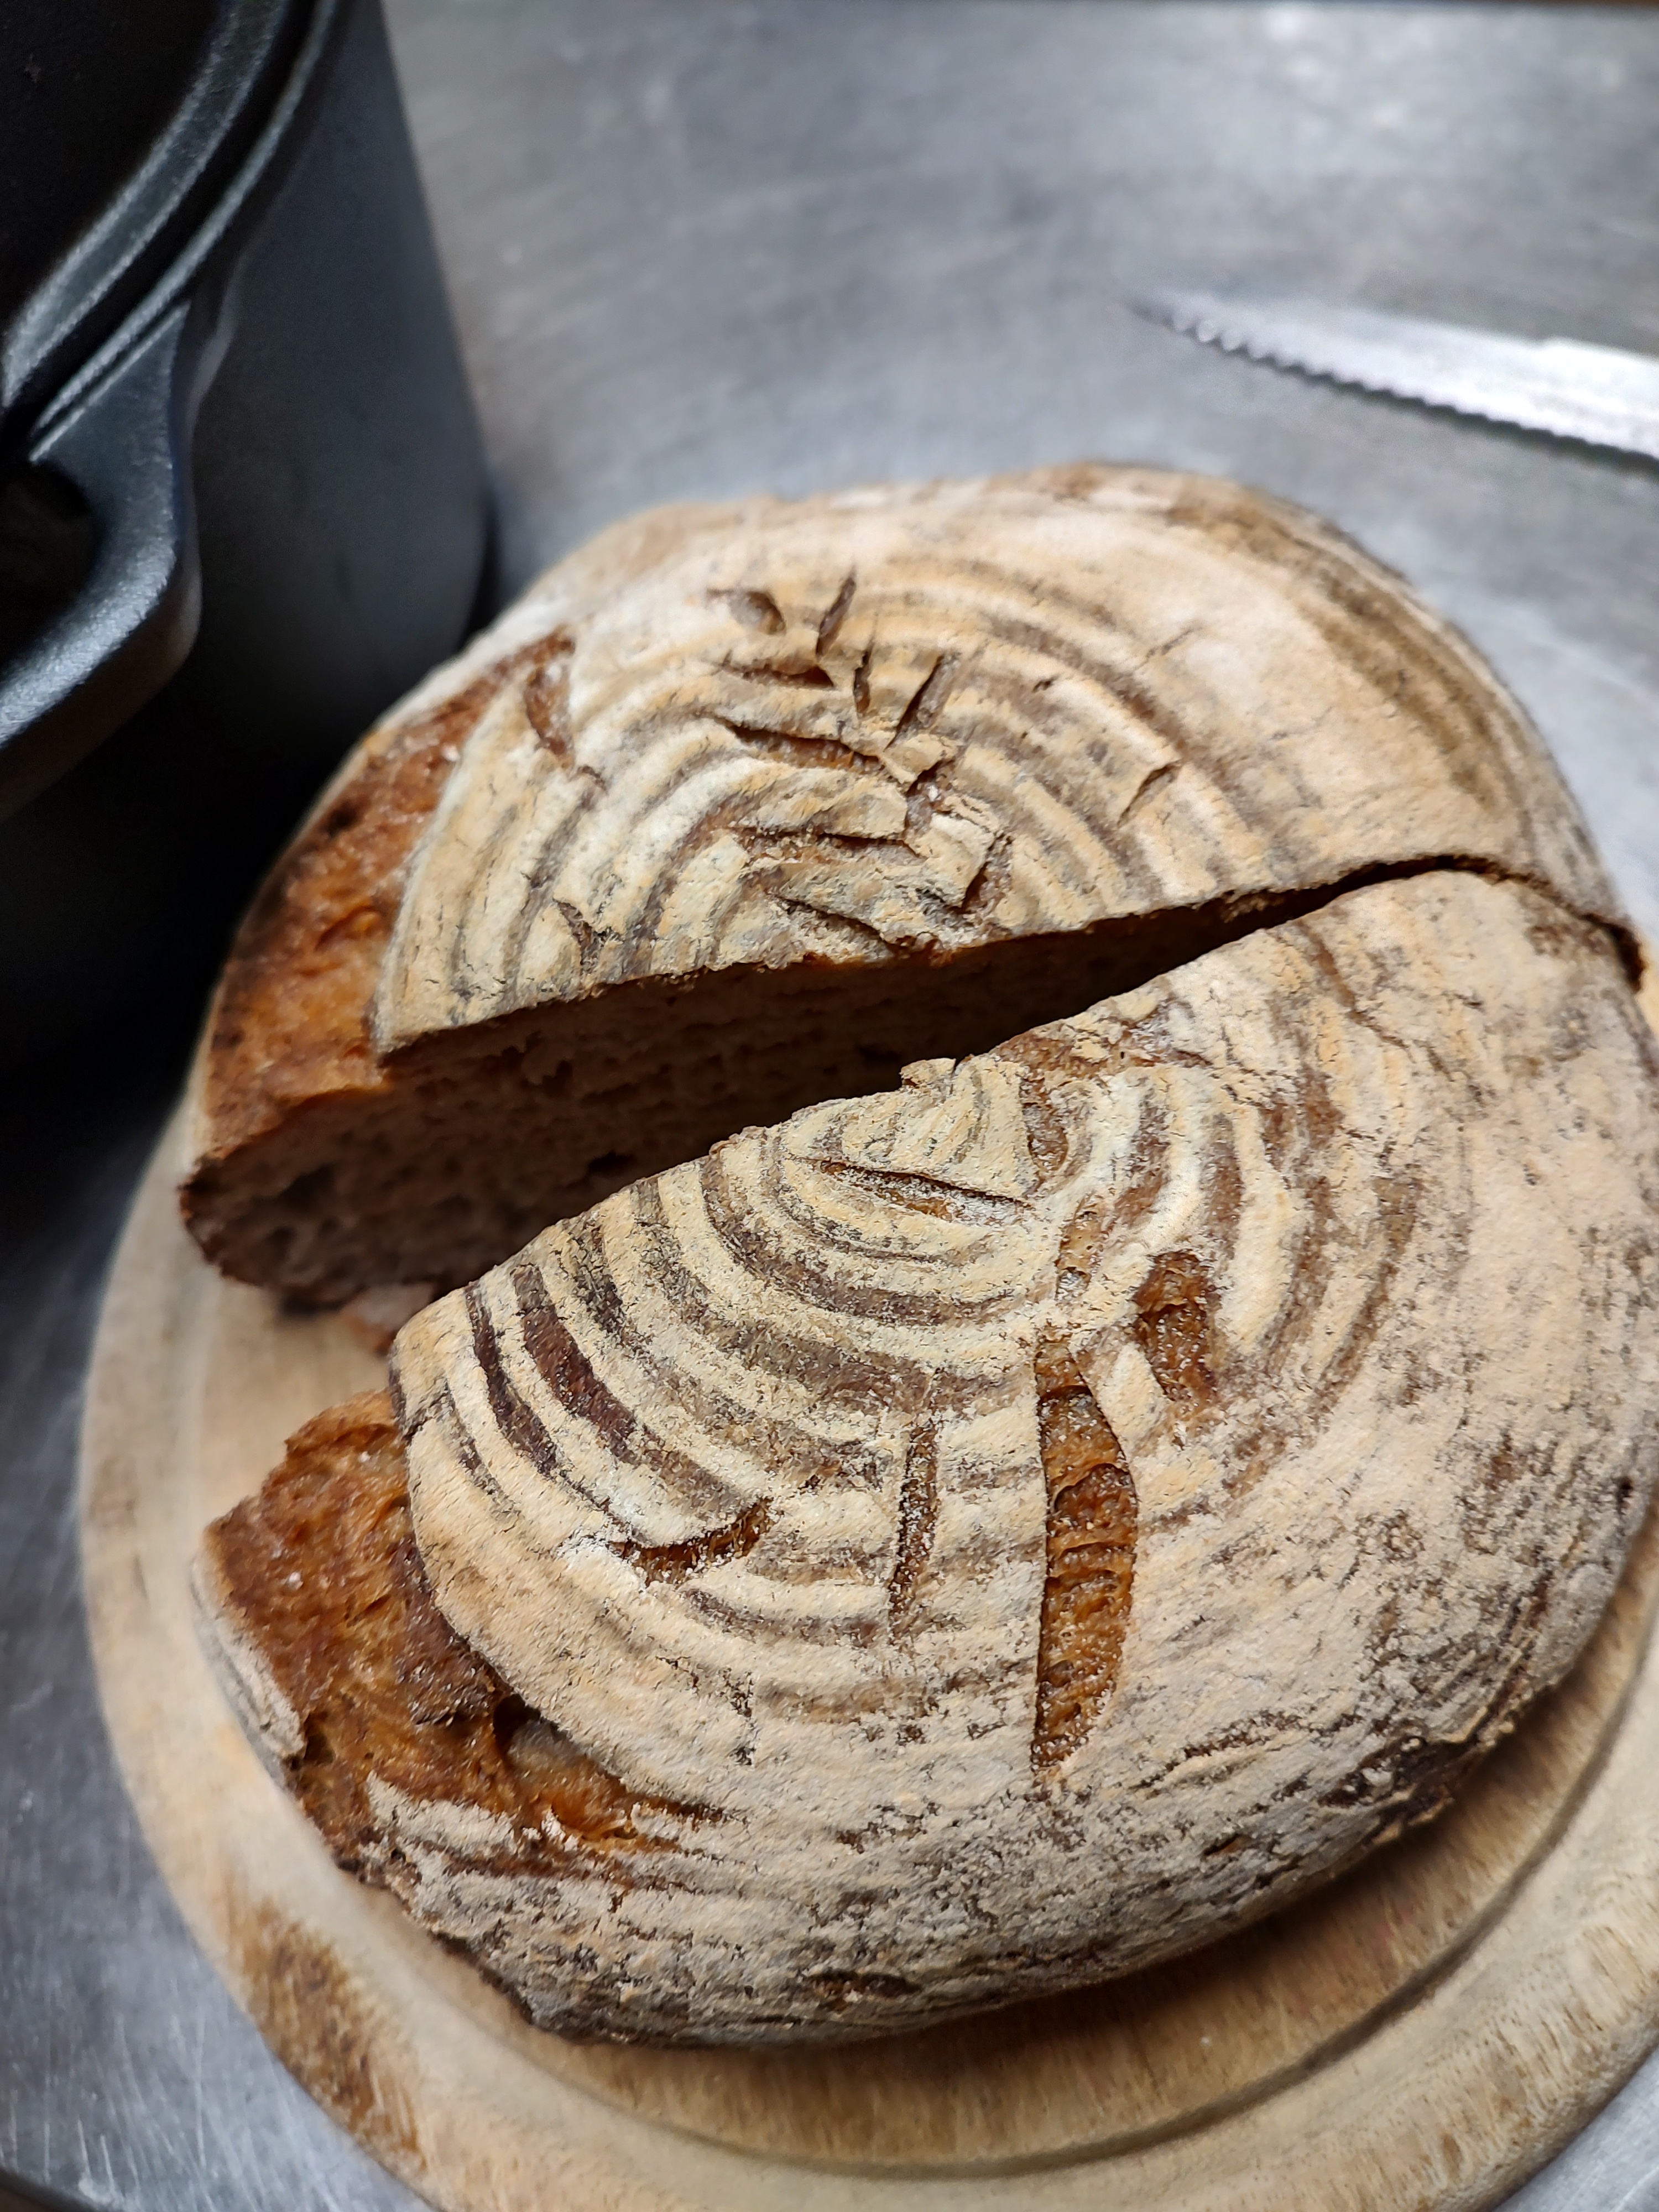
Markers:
point(120, 126)
point(140, 138)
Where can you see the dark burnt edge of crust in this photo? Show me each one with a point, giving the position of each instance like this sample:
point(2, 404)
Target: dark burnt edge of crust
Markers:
point(282, 1737)
point(237, 1664)
point(385, 792)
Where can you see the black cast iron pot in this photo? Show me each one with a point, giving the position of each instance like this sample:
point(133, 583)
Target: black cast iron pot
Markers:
point(242, 502)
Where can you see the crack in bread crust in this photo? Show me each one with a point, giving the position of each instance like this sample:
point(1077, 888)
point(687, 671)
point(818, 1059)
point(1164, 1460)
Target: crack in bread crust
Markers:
point(1090, 1584)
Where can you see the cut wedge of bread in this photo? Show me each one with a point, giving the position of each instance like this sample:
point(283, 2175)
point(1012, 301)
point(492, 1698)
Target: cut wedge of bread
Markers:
point(742, 807)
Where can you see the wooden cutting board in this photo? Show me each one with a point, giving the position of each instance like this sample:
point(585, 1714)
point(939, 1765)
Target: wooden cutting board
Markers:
point(1424, 2032)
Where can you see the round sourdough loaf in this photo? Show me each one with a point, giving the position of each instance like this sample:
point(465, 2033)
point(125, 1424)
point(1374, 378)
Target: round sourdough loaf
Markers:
point(742, 807)
point(980, 1537)
point(967, 1538)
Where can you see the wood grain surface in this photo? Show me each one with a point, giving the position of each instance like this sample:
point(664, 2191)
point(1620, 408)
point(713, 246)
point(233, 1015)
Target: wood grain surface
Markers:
point(1422, 2033)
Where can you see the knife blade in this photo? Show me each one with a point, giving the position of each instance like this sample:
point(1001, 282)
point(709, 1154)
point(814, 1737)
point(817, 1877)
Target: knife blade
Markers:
point(1599, 395)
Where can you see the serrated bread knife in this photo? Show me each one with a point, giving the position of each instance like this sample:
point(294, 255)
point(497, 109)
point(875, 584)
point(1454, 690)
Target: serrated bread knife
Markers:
point(1599, 394)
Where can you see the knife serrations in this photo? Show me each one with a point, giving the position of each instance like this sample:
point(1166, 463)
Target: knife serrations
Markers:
point(1597, 394)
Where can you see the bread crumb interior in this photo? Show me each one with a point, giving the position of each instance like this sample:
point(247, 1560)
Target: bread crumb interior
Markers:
point(475, 1140)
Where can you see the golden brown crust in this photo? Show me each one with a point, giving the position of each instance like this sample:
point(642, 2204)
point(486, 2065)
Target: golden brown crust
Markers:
point(291, 1020)
point(318, 1576)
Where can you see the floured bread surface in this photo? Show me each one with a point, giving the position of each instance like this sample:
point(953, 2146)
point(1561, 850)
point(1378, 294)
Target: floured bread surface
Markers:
point(743, 806)
point(996, 1533)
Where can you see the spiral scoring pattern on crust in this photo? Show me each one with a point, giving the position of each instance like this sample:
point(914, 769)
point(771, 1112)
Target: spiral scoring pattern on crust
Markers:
point(1328, 1260)
point(911, 720)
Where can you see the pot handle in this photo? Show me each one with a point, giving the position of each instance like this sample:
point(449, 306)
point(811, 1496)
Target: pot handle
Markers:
point(125, 448)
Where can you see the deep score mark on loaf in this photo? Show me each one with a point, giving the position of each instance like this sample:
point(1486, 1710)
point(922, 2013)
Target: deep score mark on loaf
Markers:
point(1002, 1531)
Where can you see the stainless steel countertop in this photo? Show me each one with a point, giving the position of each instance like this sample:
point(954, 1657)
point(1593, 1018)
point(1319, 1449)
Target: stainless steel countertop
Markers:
point(701, 246)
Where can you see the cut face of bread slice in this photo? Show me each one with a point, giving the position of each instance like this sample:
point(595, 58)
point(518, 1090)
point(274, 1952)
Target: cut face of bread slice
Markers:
point(742, 807)
point(994, 1534)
